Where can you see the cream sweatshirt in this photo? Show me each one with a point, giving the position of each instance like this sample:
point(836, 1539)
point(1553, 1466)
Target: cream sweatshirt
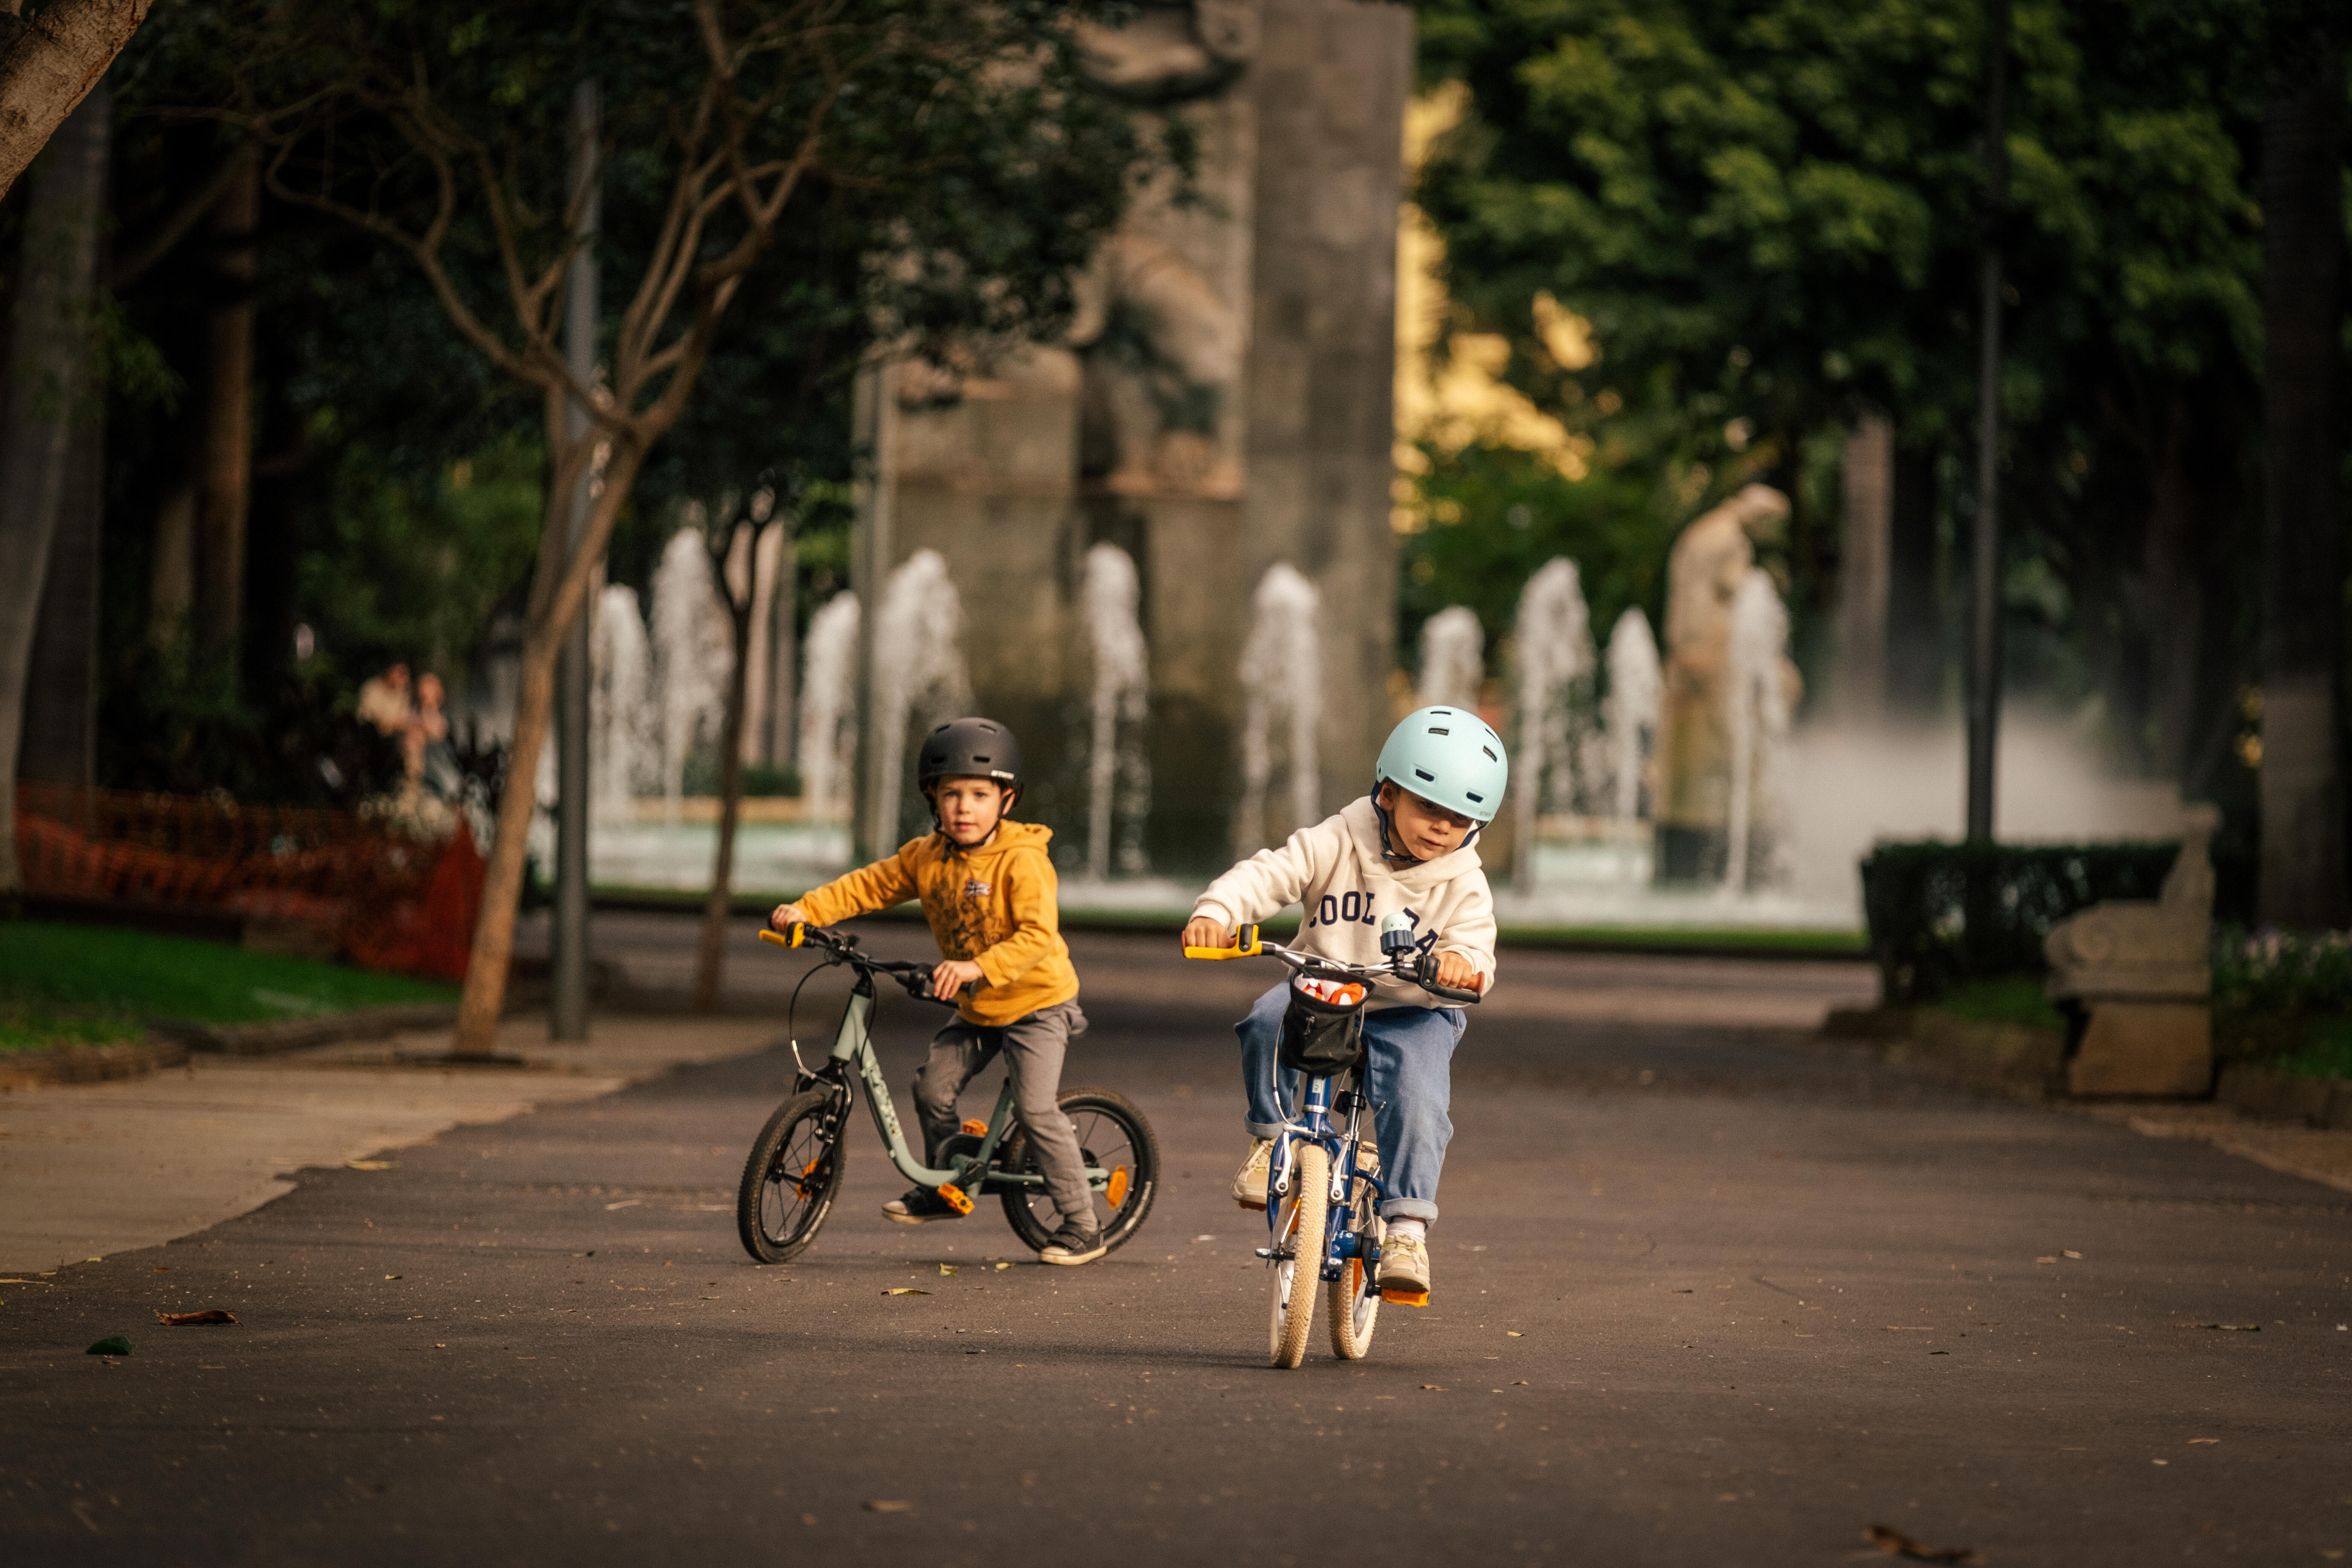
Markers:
point(1336, 870)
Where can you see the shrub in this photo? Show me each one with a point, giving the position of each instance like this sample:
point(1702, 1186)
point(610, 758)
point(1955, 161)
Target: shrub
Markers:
point(1943, 914)
point(2272, 971)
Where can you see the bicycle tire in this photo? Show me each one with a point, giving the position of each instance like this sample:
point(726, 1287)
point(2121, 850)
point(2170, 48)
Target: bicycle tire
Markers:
point(1295, 1289)
point(795, 1136)
point(1355, 1311)
point(1110, 1128)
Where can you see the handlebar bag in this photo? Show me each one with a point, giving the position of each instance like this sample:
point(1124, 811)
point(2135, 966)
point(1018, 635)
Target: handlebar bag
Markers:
point(1323, 1026)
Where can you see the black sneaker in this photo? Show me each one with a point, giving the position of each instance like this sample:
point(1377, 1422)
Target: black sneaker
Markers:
point(1071, 1245)
point(919, 1206)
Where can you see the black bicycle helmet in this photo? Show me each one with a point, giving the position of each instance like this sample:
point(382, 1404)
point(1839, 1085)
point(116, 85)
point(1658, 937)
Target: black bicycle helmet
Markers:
point(969, 748)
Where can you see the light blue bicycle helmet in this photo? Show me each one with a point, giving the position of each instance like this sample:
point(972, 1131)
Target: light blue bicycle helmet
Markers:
point(1449, 757)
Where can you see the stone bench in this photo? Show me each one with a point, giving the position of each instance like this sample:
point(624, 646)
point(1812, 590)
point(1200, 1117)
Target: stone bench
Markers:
point(2139, 977)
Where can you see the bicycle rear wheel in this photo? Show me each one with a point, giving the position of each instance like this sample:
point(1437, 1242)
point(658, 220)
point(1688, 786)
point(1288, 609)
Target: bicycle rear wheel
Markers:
point(1306, 1208)
point(1112, 1135)
point(792, 1179)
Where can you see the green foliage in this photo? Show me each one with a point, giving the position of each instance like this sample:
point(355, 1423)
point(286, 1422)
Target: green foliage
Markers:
point(2325, 1053)
point(149, 976)
point(1769, 214)
point(2273, 970)
point(1944, 915)
point(413, 569)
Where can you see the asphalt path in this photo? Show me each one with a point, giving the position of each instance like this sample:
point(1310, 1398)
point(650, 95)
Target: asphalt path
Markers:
point(1705, 1293)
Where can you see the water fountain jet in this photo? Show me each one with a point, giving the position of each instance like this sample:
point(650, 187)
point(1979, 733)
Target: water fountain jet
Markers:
point(1282, 684)
point(1118, 774)
point(918, 674)
point(1552, 656)
point(1452, 659)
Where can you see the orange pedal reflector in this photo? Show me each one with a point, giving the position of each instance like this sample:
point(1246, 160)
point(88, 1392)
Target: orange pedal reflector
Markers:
point(974, 1128)
point(955, 1199)
point(1115, 1190)
point(1406, 1298)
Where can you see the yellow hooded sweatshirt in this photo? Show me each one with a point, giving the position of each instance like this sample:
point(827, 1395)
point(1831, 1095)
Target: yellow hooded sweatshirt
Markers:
point(995, 904)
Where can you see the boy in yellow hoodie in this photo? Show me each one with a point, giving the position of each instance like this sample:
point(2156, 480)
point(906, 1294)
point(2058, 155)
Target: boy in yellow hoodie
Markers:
point(989, 891)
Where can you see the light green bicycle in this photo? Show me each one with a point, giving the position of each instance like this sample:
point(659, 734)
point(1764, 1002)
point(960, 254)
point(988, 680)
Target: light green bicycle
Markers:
point(793, 1176)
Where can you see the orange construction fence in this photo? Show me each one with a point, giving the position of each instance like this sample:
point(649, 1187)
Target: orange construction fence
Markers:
point(387, 899)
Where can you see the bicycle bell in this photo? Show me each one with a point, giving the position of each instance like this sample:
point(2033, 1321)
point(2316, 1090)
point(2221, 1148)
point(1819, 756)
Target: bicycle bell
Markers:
point(1396, 935)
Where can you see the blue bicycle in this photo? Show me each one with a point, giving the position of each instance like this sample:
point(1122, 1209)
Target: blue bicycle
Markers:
point(1323, 1184)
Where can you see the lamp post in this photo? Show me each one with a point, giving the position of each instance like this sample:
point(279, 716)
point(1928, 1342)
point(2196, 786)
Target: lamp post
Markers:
point(568, 1002)
point(1984, 606)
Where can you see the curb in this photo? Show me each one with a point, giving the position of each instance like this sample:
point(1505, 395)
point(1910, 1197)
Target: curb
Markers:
point(2322, 1102)
point(88, 1064)
point(280, 1035)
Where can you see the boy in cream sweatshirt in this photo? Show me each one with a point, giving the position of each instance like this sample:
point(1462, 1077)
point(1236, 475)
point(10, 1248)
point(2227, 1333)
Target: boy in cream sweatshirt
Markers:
point(1402, 850)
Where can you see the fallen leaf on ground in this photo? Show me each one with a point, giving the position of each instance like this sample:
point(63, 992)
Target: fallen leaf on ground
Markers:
point(2071, 1253)
point(906, 1290)
point(93, 1260)
point(1895, 1543)
point(113, 1344)
point(1004, 1266)
point(2194, 1441)
point(2049, 1260)
point(392, 1276)
point(1514, 1333)
point(947, 1271)
point(623, 1204)
point(2225, 1328)
point(1205, 1238)
point(1431, 1385)
point(1909, 1328)
point(1682, 1290)
point(888, 1505)
point(367, 1164)
point(190, 1320)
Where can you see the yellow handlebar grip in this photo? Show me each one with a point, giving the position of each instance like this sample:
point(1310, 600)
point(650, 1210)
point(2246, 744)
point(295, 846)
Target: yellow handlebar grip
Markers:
point(1245, 945)
point(799, 935)
point(767, 935)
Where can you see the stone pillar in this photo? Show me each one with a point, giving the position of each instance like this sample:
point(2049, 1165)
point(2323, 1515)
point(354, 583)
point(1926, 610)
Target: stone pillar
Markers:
point(1331, 86)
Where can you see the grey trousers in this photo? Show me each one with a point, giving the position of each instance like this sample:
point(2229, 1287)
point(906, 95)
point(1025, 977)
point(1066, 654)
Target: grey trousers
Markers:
point(1033, 1048)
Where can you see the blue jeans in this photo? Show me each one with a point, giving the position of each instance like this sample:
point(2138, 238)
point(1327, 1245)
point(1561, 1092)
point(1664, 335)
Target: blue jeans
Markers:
point(1408, 1073)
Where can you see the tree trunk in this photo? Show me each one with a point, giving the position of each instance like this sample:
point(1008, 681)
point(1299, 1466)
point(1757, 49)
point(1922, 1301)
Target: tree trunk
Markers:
point(783, 649)
point(709, 962)
point(49, 65)
point(61, 727)
point(225, 495)
point(560, 584)
point(2174, 608)
point(47, 379)
point(2303, 632)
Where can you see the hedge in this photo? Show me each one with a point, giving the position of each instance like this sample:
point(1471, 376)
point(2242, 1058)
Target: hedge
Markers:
point(1943, 914)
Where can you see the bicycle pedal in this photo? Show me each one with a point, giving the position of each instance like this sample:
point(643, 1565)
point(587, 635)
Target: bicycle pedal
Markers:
point(974, 1128)
point(954, 1196)
point(1406, 1298)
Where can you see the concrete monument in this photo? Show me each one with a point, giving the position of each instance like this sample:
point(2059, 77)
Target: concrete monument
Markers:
point(1220, 406)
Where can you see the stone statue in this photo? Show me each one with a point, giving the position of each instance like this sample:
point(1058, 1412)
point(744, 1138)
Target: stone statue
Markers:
point(1714, 557)
point(2139, 976)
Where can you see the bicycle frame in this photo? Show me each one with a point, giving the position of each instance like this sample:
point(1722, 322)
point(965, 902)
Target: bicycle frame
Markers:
point(853, 1050)
point(1313, 1122)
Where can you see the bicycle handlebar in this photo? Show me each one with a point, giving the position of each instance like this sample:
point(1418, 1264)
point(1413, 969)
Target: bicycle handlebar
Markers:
point(914, 978)
point(1248, 945)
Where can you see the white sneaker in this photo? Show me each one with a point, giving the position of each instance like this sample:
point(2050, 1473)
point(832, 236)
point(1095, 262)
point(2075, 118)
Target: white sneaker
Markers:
point(1404, 1270)
point(1249, 1181)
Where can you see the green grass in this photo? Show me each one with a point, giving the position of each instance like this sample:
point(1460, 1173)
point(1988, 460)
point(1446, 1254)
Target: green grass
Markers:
point(39, 1029)
point(77, 969)
point(2019, 1002)
point(2327, 1052)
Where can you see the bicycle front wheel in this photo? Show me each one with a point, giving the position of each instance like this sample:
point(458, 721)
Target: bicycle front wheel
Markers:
point(1113, 1137)
point(1306, 1208)
point(1355, 1309)
point(792, 1179)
